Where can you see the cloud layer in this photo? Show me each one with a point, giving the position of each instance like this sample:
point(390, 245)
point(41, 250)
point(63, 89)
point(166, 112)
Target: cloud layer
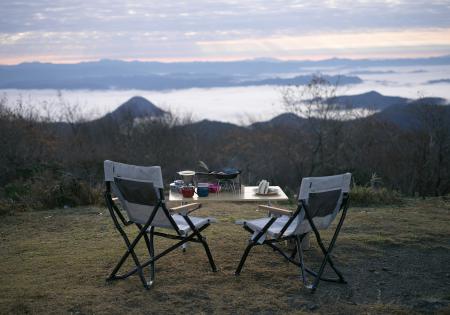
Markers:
point(70, 31)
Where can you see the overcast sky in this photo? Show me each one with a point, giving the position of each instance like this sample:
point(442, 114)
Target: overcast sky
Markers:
point(80, 30)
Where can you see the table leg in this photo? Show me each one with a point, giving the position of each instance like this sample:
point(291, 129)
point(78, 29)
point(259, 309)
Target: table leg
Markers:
point(305, 243)
point(185, 245)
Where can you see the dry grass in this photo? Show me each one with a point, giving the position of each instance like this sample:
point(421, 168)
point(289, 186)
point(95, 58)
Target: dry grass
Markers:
point(396, 259)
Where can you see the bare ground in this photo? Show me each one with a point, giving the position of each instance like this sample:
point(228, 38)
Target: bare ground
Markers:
point(395, 259)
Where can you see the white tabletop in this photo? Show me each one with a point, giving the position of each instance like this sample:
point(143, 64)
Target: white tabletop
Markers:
point(248, 193)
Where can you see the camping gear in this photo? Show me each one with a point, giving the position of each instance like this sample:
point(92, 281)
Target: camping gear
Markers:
point(320, 200)
point(138, 190)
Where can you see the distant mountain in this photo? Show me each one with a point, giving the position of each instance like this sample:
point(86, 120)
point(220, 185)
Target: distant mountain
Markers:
point(159, 82)
point(375, 101)
point(359, 72)
point(404, 113)
point(415, 115)
point(306, 79)
point(396, 110)
point(107, 74)
point(370, 100)
point(136, 107)
point(284, 120)
point(244, 67)
point(208, 130)
point(390, 108)
point(438, 81)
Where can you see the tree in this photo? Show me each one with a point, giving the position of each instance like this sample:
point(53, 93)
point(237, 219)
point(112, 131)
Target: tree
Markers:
point(432, 141)
point(317, 104)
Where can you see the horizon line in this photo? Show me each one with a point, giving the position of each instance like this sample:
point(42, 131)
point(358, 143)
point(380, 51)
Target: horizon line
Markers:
point(223, 60)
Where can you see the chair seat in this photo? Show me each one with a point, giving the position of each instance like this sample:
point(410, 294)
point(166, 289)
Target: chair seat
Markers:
point(184, 226)
point(275, 228)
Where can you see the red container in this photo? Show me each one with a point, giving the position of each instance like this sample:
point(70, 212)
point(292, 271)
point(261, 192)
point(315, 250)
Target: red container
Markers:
point(187, 191)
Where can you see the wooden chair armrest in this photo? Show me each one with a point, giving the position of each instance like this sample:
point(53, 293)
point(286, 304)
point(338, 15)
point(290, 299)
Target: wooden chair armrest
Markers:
point(185, 209)
point(276, 211)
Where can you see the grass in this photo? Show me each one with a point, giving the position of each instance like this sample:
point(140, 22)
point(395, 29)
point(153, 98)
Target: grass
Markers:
point(395, 258)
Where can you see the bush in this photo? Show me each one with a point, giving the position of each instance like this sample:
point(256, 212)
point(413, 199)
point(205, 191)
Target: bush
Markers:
point(6, 207)
point(48, 191)
point(368, 196)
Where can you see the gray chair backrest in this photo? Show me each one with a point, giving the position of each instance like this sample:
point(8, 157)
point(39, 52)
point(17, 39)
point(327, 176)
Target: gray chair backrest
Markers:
point(323, 197)
point(138, 189)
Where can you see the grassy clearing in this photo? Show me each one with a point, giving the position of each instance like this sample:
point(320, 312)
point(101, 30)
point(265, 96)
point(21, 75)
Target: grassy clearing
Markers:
point(395, 258)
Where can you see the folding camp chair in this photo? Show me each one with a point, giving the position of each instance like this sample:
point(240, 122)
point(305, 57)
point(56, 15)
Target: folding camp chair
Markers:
point(139, 190)
point(320, 200)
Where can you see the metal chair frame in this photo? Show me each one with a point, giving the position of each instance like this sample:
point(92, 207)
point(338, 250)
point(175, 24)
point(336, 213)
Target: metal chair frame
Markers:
point(148, 232)
point(326, 251)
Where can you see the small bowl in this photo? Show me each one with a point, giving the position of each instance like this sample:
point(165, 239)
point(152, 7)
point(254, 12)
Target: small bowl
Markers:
point(174, 187)
point(187, 191)
point(214, 188)
point(178, 182)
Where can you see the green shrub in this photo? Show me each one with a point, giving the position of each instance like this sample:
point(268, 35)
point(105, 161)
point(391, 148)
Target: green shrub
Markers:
point(368, 196)
point(48, 191)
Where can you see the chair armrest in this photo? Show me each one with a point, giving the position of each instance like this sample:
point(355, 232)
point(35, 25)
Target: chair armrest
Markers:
point(186, 209)
point(276, 211)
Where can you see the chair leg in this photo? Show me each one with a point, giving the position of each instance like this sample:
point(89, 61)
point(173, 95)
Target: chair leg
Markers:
point(327, 259)
point(294, 253)
point(208, 253)
point(124, 257)
point(151, 252)
point(339, 274)
point(244, 257)
point(113, 273)
point(253, 241)
point(196, 232)
point(130, 250)
point(319, 274)
point(141, 274)
point(327, 252)
point(298, 241)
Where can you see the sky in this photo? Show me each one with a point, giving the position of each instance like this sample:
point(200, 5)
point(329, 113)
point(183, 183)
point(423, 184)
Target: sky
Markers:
point(69, 31)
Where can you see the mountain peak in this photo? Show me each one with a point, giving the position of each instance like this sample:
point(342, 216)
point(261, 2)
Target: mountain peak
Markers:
point(371, 100)
point(372, 93)
point(136, 107)
point(285, 119)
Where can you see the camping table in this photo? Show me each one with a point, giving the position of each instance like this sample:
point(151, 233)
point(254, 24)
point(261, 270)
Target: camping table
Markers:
point(247, 194)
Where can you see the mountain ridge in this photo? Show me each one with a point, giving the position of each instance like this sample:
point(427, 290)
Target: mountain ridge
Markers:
point(443, 59)
point(106, 74)
point(392, 109)
point(161, 82)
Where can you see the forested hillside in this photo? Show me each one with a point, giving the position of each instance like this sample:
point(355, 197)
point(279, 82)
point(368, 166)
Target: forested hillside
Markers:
point(46, 164)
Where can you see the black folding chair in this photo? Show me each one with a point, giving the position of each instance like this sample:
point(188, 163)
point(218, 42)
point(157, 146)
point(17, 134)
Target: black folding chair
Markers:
point(320, 200)
point(139, 190)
